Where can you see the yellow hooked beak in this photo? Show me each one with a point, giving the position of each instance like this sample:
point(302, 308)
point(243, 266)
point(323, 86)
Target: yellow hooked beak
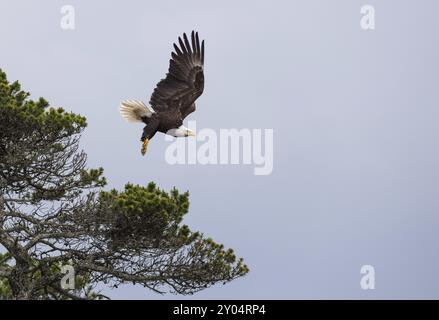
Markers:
point(190, 133)
point(145, 146)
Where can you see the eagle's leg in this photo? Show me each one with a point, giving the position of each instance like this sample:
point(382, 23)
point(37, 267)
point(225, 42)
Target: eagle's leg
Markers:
point(149, 131)
point(145, 146)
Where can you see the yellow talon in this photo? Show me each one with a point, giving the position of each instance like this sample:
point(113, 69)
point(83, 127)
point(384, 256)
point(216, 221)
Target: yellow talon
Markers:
point(145, 146)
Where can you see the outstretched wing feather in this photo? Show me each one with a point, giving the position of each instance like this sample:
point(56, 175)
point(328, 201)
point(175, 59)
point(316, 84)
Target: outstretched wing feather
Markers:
point(184, 82)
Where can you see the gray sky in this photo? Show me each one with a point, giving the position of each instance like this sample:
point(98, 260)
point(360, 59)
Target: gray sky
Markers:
point(354, 113)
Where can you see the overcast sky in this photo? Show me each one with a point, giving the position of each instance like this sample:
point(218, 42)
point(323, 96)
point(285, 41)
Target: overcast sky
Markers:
point(355, 118)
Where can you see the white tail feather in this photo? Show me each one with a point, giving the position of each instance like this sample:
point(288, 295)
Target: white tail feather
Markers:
point(135, 110)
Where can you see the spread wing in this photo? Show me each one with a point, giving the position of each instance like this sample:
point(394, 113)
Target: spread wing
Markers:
point(184, 82)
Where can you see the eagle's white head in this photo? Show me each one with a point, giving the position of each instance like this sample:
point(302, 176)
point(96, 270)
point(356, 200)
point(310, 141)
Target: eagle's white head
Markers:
point(181, 132)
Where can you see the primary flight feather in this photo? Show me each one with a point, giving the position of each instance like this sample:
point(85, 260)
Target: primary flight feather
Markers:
point(174, 97)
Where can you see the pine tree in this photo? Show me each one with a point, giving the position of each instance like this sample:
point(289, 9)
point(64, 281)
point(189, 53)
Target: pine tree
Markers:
point(55, 212)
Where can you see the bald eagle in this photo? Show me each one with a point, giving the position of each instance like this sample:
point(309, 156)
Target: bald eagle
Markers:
point(174, 97)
